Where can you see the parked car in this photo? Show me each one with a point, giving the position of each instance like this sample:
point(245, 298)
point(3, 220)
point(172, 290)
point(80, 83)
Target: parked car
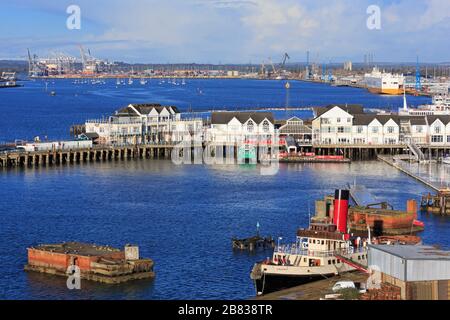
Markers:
point(343, 285)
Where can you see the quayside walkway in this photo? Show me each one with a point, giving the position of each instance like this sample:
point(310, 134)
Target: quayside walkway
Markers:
point(402, 165)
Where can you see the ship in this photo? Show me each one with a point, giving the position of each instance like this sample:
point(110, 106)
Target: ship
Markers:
point(321, 251)
point(381, 82)
point(8, 80)
point(439, 106)
point(380, 217)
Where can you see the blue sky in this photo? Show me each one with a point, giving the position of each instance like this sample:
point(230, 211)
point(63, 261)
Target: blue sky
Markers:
point(229, 31)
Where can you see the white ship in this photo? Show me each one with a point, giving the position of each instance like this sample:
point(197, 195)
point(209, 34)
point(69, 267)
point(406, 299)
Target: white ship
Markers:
point(384, 83)
point(440, 106)
point(321, 251)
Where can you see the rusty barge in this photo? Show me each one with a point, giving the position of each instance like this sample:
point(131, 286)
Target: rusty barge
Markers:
point(381, 218)
point(96, 263)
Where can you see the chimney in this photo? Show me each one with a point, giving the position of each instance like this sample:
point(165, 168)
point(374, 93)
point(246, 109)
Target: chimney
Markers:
point(341, 200)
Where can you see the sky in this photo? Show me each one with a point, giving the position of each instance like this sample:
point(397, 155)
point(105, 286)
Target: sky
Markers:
point(229, 31)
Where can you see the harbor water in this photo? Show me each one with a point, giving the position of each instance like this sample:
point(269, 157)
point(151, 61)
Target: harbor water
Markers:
point(183, 217)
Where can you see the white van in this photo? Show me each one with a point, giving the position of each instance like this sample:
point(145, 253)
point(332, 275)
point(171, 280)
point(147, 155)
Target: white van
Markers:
point(343, 285)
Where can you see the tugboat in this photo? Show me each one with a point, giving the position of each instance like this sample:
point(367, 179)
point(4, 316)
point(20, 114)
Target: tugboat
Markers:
point(321, 251)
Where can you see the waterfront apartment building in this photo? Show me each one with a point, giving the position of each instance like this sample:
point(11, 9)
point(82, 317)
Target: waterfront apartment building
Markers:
point(237, 127)
point(144, 123)
point(350, 125)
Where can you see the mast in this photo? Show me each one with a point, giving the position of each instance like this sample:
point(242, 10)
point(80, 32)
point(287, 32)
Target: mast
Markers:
point(405, 104)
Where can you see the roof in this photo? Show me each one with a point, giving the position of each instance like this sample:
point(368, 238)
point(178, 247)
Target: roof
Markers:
point(350, 108)
point(444, 119)
point(145, 109)
point(77, 248)
point(92, 135)
point(410, 252)
point(417, 121)
point(363, 119)
point(226, 116)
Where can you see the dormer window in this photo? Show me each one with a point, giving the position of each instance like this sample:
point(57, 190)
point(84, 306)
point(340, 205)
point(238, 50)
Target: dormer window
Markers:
point(266, 126)
point(250, 126)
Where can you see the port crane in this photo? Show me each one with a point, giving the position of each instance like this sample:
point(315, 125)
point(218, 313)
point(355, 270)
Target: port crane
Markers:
point(277, 73)
point(57, 63)
point(285, 58)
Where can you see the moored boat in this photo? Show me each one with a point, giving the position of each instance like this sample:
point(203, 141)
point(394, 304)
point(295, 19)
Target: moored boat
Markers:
point(321, 251)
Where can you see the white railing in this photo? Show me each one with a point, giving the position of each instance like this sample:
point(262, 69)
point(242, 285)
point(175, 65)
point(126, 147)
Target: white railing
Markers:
point(296, 250)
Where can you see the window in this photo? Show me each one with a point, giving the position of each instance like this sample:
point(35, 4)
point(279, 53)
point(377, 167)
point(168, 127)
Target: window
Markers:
point(266, 126)
point(437, 139)
point(448, 139)
point(338, 120)
point(375, 130)
point(419, 129)
point(391, 129)
point(349, 120)
point(340, 129)
point(360, 129)
point(250, 126)
point(437, 129)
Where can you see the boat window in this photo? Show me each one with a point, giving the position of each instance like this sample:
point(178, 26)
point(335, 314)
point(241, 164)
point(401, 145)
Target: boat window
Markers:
point(329, 262)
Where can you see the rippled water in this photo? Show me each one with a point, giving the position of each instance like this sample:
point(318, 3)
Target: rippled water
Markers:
point(183, 217)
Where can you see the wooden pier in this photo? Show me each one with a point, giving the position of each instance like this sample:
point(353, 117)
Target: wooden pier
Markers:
point(390, 161)
point(438, 204)
point(18, 159)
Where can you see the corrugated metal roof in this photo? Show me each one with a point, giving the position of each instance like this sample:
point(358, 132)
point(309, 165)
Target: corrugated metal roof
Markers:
point(409, 252)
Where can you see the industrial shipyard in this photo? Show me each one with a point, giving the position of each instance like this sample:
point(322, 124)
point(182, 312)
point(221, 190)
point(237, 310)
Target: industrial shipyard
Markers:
point(252, 167)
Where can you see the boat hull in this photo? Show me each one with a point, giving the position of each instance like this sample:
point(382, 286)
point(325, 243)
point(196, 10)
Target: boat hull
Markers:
point(393, 92)
point(270, 283)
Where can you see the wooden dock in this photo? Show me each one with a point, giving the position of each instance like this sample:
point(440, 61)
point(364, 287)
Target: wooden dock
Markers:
point(18, 159)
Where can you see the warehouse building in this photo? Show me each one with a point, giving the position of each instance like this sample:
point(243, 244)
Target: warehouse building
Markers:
point(421, 272)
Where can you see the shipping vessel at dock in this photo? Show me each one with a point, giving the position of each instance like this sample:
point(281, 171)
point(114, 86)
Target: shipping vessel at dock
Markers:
point(321, 251)
point(381, 82)
point(96, 263)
